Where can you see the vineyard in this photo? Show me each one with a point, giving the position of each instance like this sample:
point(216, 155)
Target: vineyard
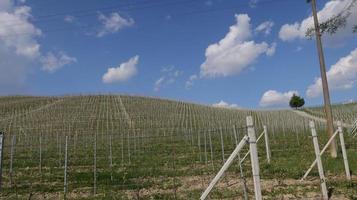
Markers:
point(130, 147)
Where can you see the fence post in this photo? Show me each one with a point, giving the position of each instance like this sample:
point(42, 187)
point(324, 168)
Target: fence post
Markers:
point(318, 160)
point(12, 157)
point(267, 147)
point(40, 161)
point(344, 153)
point(254, 158)
point(65, 168)
point(1, 156)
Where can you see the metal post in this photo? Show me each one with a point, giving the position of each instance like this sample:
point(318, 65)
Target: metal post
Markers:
point(224, 167)
point(254, 158)
point(65, 168)
point(344, 153)
point(1, 156)
point(267, 147)
point(222, 145)
point(40, 162)
point(12, 157)
point(111, 158)
point(318, 160)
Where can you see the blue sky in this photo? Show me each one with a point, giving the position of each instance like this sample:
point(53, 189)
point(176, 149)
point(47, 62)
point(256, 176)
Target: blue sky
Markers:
point(154, 47)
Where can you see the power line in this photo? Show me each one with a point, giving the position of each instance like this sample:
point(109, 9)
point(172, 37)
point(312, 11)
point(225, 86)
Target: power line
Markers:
point(194, 12)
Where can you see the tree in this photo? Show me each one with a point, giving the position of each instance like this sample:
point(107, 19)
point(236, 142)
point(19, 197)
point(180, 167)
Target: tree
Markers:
point(334, 23)
point(296, 101)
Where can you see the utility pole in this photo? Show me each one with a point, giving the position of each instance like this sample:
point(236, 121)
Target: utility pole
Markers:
point(328, 110)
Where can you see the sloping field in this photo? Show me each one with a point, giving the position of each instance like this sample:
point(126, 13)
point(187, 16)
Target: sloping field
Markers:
point(126, 147)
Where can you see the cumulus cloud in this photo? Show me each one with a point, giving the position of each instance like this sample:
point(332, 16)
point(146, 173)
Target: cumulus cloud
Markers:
point(234, 52)
point(52, 62)
point(341, 76)
point(18, 46)
point(122, 73)
point(168, 77)
point(113, 23)
point(297, 30)
point(265, 27)
point(275, 98)
point(223, 104)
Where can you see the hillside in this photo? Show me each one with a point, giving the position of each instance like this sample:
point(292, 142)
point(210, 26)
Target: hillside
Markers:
point(131, 147)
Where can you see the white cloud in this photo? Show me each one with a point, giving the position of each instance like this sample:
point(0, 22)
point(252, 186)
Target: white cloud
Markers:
point(265, 27)
point(122, 73)
point(169, 76)
point(18, 46)
point(275, 98)
point(190, 82)
point(223, 104)
point(297, 30)
point(113, 23)
point(17, 33)
point(234, 52)
point(69, 18)
point(341, 76)
point(52, 62)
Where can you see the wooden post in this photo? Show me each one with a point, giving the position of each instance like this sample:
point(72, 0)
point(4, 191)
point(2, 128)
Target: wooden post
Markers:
point(318, 160)
point(65, 168)
point(267, 147)
point(254, 158)
point(344, 153)
point(1, 156)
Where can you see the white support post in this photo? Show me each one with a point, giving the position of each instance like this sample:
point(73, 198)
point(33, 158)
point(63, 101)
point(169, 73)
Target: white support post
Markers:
point(254, 158)
point(344, 153)
point(267, 147)
point(224, 167)
point(246, 155)
point(322, 151)
point(318, 160)
point(65, 168)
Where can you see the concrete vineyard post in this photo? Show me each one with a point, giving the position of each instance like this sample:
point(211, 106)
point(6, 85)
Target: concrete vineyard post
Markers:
point(254, 158)
point(267, 147)
point(344, 153)
point(224, 168)
point(322, 151)
point(318, 160)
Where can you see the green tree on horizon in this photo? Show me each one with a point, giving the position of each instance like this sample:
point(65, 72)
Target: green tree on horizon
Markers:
point(296, 101)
